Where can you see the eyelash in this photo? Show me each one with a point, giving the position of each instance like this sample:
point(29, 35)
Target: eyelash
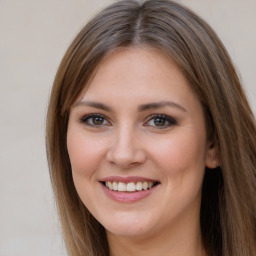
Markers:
point(171, 121)
point(85, 120)
point(89, 120)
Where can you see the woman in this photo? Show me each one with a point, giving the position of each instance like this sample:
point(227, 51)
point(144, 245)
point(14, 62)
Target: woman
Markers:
point(150, 139)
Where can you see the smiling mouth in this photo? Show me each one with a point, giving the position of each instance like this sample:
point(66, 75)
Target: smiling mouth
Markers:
point(130, 186)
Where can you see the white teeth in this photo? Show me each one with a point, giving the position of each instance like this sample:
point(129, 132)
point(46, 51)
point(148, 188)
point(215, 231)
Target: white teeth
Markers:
point(121, 187)
point(129, 187)
point(139, 186)
point(109, 185)
point(115, 186)
point(145, 185)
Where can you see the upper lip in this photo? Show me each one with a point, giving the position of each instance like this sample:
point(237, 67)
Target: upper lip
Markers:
point(127, 179)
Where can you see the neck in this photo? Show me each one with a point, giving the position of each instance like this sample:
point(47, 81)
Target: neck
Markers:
point(180, 239)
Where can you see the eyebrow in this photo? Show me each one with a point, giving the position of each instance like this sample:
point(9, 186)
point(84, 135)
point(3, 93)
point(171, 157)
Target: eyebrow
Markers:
point(93, 104)
point(144, 107)
point(161, 104)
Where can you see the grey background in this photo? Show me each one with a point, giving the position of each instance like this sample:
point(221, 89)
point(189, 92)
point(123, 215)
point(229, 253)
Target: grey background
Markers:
point(33, 38)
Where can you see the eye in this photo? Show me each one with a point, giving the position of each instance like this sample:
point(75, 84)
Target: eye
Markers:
point(160, 121)
point(94, 120)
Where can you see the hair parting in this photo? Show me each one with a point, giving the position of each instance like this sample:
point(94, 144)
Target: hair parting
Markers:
point(228, 210)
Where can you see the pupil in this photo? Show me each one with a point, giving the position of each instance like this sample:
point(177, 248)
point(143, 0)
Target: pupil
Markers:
point(159, 122)
point(97, 120)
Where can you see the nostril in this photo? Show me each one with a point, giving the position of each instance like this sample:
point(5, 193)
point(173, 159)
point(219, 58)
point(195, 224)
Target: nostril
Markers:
point(125, 160)
point(126, 157)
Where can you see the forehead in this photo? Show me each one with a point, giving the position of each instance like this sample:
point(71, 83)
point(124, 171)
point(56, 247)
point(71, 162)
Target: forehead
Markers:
point(129, 79)
point(137, 70)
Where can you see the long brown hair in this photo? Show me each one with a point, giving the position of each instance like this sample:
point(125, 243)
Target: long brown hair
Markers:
point(228, 209)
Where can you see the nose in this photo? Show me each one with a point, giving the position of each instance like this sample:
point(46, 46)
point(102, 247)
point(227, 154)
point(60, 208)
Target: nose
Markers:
point(126, 149)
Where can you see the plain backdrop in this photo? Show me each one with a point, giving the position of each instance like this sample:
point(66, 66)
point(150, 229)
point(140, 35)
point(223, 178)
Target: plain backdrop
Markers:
point(34, 35)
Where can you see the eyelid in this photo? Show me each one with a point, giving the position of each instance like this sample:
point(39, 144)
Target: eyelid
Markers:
point(84, 118)
point(172, 121)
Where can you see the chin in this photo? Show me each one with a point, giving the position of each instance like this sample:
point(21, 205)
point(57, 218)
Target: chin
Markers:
point(128, 226)
point(127, 231)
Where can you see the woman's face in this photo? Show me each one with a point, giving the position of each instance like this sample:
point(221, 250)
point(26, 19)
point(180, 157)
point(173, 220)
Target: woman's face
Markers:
point(138, 145)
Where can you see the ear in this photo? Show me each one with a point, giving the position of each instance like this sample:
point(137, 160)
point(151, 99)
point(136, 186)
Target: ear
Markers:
point(211, 160)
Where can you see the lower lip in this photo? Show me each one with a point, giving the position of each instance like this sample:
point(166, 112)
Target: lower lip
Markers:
point(127, 197)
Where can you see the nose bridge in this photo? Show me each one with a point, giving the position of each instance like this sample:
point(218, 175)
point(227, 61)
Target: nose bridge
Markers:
point(126, 150)
point(125, 140)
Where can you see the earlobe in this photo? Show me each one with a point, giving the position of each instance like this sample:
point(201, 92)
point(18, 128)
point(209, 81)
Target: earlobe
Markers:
point(212, 160)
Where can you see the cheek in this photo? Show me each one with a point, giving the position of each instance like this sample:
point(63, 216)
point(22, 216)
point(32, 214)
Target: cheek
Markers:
point(182, 153)
point(181, 160)
point(85, 153)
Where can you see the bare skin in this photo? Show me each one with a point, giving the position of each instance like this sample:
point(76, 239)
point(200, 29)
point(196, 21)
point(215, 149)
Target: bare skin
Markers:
point(140, 121)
